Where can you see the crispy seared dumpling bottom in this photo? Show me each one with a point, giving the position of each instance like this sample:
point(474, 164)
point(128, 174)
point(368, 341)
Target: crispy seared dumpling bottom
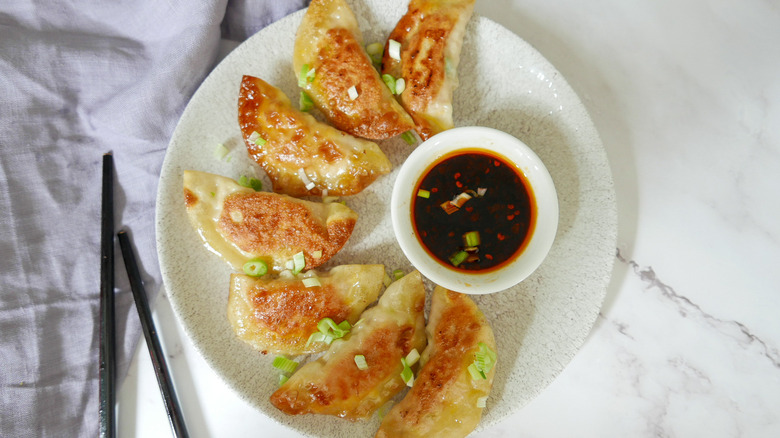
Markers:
point(278, 315)
point(240, 224)
point(443, 400)
point(334, 385)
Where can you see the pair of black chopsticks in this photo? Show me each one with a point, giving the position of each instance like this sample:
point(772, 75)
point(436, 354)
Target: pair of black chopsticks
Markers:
point(107, 369)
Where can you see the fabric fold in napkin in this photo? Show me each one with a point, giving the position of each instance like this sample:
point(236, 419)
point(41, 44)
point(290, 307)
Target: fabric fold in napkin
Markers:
point(78, 79)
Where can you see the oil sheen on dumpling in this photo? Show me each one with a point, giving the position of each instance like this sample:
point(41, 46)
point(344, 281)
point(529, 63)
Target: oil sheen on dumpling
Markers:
point(443, 400)
point(329, 41)
point(431, 36)
point(240, 224)
point(290, 142)
point(278, 315)
point(387, 332)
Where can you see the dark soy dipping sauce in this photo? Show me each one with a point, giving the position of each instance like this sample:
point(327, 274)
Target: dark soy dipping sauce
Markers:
point(504, 216)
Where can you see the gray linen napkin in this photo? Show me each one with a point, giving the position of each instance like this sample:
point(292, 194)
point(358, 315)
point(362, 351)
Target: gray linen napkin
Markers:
point(77, 79)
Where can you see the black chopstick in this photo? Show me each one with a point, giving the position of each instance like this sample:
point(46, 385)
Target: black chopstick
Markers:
point(172, 407)
point(107, 366)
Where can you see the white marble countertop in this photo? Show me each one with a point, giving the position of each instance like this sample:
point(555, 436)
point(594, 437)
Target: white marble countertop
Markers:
point(686, 98)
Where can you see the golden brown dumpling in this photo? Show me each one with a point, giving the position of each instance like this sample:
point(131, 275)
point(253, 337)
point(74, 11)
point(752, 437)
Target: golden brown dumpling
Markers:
point(334, 385)
point(431, 36)
point(240, 224)
point(329, 41)
point(278, 315)
point(286, 142)
point(443, 400)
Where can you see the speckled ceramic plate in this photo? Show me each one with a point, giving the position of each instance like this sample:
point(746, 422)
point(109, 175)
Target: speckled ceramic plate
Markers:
point(505, 84)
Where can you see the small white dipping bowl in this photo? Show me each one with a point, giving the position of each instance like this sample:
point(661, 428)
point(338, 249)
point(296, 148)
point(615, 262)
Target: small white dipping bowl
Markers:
point(515, 152)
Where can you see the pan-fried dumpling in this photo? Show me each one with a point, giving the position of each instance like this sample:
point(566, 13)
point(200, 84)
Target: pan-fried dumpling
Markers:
point(444, 399)
point(329, 42)
point(334, 385)
point(278, 315)
point(240, 224)
point(431, 36)
point(286, 142)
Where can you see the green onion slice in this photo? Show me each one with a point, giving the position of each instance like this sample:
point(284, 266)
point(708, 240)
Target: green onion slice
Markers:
point(374, 48)
point(311, 282)
point(423, 193)
point(389, 81)
point(305, 103)
point(328, 330)
point(299, 262)
point(306, 75)
point(458, 258)
point(221, 152)
point(360, 361)
point(394, 49)
point(398, 274)
point(252, 183)
point(374, 51)
point(283, 379)
point(482, 402)
point(412, 357)
point(406, 374)
point(387, 280)
point(400, 85)
point(408, 138)
point(471, 239)
point(284, 364)
point(475, 373)
point(484, 360)
point(255, 268)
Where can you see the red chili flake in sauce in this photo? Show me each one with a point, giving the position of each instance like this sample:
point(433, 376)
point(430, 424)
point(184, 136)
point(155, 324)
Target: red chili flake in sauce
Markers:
point(508, 195)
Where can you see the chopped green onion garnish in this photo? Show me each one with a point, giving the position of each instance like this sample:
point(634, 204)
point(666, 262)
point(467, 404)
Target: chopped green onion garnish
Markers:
point(283, 379)
point(319, 337)
point(471, 238)
point(352, 92)
point(311, 282)
point(328, 330)
point(255, 138)
point(389, 81)
point(406, 374)
point(307, 75)
point(213, 194)
point(284, 364)
point(482, 402)
point(305, 102)
point(398, 274)
point(484, 360)
point(374, 51)
point(252, 183)
point(360, 361)
point(408, 138)
point(459, 258)
point(374, 48)
point(394, 49)
point(387, 280)
point(299, 262)
point(255, 268)
point(475, 373)
point(400, 85)
point(412, 357)
point(423, 193)
point(221, 151)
